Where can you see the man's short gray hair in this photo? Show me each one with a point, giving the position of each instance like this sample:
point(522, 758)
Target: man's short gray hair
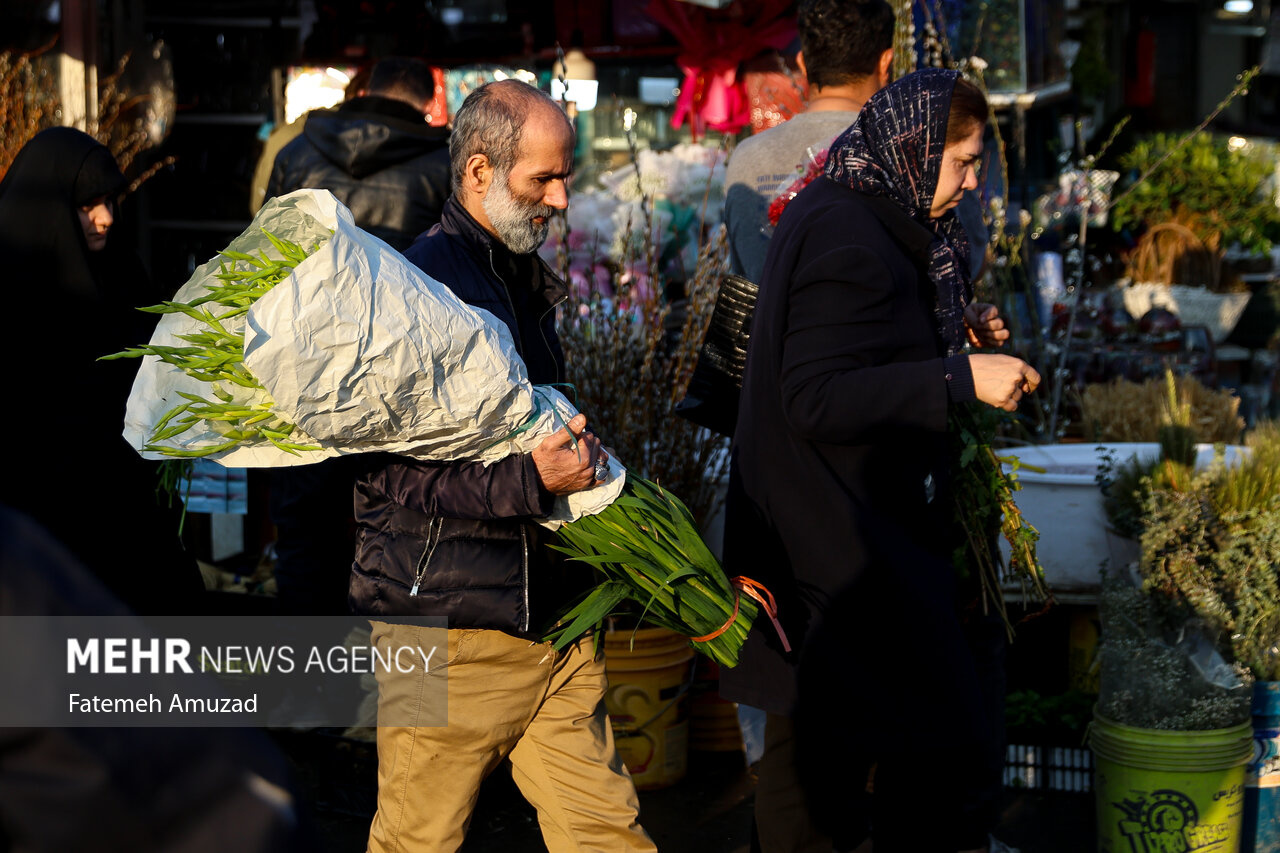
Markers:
point(490, 122)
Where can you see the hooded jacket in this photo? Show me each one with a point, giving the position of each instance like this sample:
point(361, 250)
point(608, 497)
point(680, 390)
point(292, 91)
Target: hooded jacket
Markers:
point(378, 157)
point(391, 169)
point(458, 542)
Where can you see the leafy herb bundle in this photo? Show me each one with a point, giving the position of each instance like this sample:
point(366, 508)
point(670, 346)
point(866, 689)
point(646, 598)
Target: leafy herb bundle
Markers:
point(985, 504)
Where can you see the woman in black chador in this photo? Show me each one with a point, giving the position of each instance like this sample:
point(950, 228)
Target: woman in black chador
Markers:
point(73, 290)
point(840, 499)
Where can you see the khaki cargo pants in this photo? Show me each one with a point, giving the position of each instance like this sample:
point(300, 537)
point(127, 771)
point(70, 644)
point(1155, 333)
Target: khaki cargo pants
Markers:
point(506, 698)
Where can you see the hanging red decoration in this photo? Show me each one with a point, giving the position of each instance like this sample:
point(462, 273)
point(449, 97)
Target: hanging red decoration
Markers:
point(714, 43)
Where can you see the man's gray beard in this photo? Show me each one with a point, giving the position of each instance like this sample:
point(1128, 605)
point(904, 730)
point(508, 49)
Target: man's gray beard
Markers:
point(513, 218)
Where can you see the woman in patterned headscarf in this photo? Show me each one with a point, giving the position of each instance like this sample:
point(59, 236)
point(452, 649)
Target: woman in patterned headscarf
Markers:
point(839, 497)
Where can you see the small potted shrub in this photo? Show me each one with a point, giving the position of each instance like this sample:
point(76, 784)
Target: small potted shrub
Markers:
point(1176, 414)
point(1182, 650)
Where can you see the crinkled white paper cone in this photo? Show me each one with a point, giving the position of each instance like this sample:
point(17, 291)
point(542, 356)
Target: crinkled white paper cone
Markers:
point(364, 353)
point(357, 347)
point(361, 349)
point(155, 388)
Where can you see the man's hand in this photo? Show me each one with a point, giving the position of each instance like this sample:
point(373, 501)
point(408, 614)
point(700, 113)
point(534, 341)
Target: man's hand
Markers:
point(564, 468)
point(1001, 380)
point(983, 324)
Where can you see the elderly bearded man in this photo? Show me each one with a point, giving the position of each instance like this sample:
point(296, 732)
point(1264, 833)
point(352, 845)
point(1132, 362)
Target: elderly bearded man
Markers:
point(459, 541)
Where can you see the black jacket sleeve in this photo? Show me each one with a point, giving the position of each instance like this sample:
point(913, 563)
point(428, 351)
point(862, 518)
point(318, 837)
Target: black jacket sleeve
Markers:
point(507, 489)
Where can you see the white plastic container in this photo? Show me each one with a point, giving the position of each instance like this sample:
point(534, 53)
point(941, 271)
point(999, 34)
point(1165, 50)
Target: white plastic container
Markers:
point(1065, 505)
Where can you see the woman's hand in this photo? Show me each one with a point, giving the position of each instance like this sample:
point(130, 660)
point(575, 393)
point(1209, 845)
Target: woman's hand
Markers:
point(984, 326)
point(1001, 380)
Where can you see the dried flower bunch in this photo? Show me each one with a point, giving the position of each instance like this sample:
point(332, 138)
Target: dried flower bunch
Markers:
point(631, 366)
point(29, 104)
point(28, 101)
point(122, 126)
point(1159, 673)
point(1126, 485)
point(1121, 410)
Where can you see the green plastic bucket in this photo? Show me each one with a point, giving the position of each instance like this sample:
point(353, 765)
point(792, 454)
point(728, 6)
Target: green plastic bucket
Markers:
point(1169, 791)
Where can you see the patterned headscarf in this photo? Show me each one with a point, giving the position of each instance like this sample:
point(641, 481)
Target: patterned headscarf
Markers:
point(894, 149)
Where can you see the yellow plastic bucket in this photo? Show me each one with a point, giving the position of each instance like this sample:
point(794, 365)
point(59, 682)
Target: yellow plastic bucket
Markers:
point(648, 702)
point(1166, 790)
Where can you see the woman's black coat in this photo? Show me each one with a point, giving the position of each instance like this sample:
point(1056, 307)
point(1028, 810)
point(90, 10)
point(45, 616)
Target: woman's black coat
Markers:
point(839, 498)
point(68, 465)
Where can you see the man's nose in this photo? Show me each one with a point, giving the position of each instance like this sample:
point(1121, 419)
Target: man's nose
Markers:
point(557, 195)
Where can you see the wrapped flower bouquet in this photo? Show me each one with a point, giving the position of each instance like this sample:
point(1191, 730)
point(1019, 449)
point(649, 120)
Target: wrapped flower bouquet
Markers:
point(309, 338)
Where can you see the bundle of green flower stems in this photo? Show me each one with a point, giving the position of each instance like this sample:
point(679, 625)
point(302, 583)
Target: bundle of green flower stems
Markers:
point(648, 548)
point(985, 506)
point(216, 355)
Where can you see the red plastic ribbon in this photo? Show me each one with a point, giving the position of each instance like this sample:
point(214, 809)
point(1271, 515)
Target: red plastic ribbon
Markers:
point(761, 594)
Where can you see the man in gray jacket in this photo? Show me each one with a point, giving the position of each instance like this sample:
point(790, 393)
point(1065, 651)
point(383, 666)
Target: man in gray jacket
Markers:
point(846, 52)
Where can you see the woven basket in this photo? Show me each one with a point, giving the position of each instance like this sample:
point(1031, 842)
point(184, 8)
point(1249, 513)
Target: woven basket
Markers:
point(716, 385)
point(1195, 306)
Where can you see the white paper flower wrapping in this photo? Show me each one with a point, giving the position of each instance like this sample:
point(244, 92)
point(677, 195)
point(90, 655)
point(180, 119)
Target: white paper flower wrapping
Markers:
point(364, 352)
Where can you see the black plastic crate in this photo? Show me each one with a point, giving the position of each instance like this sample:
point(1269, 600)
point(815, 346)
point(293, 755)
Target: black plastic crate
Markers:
point(1044, 767)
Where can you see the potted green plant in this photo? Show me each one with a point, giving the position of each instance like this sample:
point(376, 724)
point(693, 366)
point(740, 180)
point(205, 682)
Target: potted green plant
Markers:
point(1081, 527)
point(1180, 652)
point(1124, 411)
point(1210, 544)
point(1197, 200)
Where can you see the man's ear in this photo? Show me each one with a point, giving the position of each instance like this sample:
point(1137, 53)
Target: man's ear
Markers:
point(885, 70)
point(804, 72)
point(477, 173)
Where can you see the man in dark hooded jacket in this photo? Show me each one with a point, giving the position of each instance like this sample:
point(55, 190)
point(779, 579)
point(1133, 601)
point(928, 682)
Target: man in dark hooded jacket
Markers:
point(378, 156)
point(376, 153)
